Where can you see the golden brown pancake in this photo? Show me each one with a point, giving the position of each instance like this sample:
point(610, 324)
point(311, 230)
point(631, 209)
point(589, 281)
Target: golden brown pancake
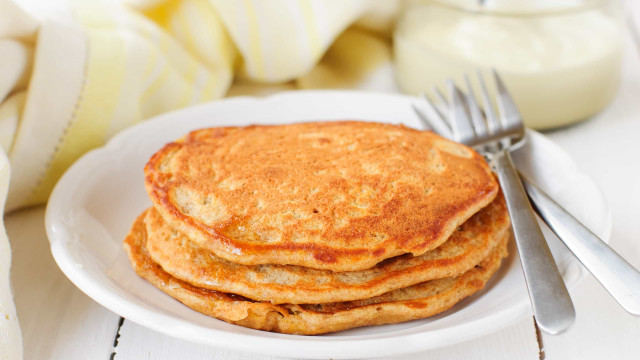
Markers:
point(340, 196)
point(279, 284)
point(415, 302)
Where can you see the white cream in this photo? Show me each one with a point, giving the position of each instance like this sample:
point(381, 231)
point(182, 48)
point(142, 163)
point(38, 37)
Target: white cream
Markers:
point(560, 68)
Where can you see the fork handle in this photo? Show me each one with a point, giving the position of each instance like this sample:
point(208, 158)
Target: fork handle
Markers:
point(616, 275)
point(552, 306)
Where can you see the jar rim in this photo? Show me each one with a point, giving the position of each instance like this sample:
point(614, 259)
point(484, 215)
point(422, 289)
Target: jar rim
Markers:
point(529, 11)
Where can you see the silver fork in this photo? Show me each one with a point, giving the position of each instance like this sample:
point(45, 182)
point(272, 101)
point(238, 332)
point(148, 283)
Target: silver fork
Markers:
point(615, 274)
point(550, 300)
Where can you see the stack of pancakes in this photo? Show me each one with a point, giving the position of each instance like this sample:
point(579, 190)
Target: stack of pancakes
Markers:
point(319, 227)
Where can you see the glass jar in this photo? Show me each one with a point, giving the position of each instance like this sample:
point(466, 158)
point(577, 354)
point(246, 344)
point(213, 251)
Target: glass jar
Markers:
point(560, 60)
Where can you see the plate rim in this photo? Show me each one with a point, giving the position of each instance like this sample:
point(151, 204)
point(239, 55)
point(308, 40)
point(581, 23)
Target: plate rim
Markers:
point(351, 346)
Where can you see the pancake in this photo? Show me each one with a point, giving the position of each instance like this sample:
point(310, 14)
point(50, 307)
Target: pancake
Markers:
point(278, 284)
point(339, 196)
point(415, 302)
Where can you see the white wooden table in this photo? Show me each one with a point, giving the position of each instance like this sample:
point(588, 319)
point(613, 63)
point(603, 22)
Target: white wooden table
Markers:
point(60, 322)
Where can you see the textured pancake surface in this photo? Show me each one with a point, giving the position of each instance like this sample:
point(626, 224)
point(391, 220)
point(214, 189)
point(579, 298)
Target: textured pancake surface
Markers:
point(184, 260)
point(414, 302)
point(340, 196)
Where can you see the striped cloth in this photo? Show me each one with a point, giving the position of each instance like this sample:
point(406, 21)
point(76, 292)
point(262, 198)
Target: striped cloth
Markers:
point(69, 83)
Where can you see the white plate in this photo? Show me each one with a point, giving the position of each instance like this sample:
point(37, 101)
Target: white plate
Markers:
point(95, 202)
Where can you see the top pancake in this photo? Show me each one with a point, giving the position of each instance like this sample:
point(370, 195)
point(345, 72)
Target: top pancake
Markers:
point(340, 196)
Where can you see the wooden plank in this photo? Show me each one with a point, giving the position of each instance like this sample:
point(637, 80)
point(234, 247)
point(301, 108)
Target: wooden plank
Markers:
point(58, 321)
point(603, 330)
point(515, 342)
point(139, 343)
point(518, 341)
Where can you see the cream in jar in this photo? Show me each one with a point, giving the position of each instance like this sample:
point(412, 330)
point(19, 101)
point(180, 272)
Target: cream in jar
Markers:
point(560, 67)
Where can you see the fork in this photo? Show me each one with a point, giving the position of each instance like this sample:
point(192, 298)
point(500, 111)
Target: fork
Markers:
point(619, 278)
point(550, 300)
